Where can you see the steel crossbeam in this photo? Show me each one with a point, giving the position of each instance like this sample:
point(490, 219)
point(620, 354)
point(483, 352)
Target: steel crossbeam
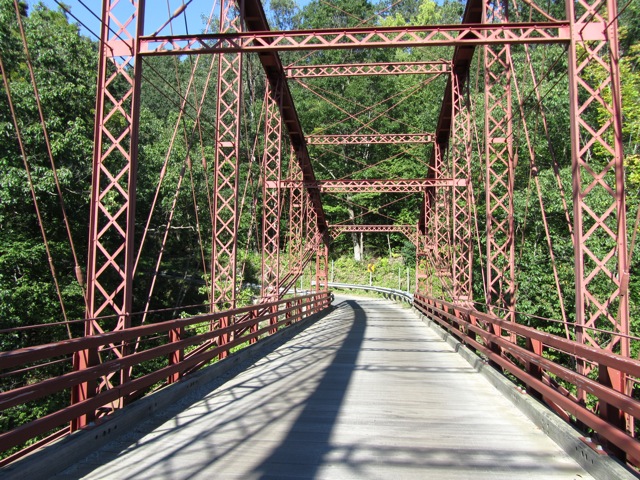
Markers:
point(338, 229)
point(387, 138)
point(403, 185)
point(367, 69)
point(364, 37)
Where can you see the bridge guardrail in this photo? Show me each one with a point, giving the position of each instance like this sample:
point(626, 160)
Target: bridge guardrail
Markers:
point(187, 343)
point(535, 358)
point(386, 292)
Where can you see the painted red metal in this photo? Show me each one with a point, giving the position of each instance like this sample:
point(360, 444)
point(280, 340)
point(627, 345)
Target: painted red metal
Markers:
point(365, 69)
point(103, 359)
point(409, 231)
point(113, 192)
point(307, 305)
point(271, 195)
point(404, 185)
point(390, 138)
point(227, 142)
point(601, 251)
point(460, 159)
point(500, 172)
point(363, 37)
point(462, 323)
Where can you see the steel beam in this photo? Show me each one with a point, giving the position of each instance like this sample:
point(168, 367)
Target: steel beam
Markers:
point(461, 62)
point(367, 69)
point(599, 212)
point(113, 193)
point(271, 173)
point(402, 185)
point(407, 230)
point(256, 21)
point(387, 138)
point(442, 258)
point(500, 172)
point(322, 267)
point(227, 143)
point(460, 160)
point(365, 37)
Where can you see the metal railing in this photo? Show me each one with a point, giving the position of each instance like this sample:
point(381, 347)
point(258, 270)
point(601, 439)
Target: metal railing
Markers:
point(163, 352)
point(390, 293)
point(545, 363)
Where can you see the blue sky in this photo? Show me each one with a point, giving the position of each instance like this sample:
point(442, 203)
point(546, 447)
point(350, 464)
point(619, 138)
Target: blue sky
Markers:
point(156, 14)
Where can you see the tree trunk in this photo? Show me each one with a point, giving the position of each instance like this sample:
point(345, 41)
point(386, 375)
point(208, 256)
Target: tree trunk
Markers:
point(356, 238)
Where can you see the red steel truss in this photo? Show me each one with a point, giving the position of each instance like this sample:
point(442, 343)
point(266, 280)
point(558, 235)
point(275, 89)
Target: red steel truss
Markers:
point(379, 37)
point(404, 185)
point(601, 255)
point(442, 260)
point(225, 194)
point(390, 138)
point(113, 193)
point(364, 69)
point(409, 231)
point(271, 171)
point(500, 171)
point(460, 160)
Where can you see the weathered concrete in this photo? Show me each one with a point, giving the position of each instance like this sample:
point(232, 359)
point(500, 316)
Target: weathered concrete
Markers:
point(366, 392)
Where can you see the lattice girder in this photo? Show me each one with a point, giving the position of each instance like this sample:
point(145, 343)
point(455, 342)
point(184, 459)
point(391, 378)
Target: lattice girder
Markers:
point(500, 172)
point(271, 173)
point(225, 172)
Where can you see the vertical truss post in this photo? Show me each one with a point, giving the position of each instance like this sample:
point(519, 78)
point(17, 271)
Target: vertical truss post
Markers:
point(271, 194)
point(460, 159)
point(322, 267)
point(432, 245)
point(424, 241)
point(297, 217)
point(500, 168)
point(113, 194)
point(442, 230)
point(601, 258)
point(227, 150)
point(227, 143)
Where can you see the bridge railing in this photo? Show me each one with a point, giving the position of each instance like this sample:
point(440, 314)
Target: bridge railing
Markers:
point(391, 293)
point(529, 354)
point(165, 351)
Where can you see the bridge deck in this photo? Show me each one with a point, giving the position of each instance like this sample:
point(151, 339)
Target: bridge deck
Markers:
point(367, 392)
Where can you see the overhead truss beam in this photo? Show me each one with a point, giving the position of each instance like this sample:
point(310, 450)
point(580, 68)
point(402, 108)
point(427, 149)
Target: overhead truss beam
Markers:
point(367, 69)
point(376, 185)
point(389, 138)
point(256, 21)
point(409, 231)
point(379, 37)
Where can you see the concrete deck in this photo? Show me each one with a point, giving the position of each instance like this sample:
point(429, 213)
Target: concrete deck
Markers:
point(367, 392)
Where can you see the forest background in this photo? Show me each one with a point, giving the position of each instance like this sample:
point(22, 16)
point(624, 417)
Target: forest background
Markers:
point(65, 67)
